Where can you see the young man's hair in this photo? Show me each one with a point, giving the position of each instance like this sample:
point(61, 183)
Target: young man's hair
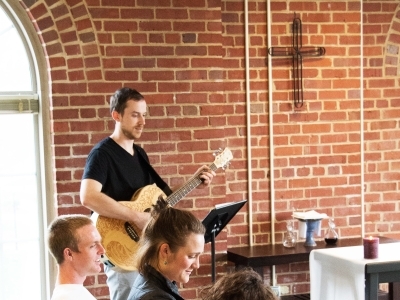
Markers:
point(120, 98)
point(62, 234)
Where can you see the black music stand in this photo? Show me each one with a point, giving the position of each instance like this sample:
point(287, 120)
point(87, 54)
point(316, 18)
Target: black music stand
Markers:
point(215, 221)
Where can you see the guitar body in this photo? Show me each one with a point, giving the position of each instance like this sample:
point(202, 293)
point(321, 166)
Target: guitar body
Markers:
point(120, 248)
point(120, 238)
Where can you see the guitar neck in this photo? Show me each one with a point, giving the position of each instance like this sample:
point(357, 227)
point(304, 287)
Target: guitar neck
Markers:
point(186, 188)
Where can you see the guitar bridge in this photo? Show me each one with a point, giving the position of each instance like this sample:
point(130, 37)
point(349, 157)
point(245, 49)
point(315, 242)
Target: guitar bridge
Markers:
point(131, 232)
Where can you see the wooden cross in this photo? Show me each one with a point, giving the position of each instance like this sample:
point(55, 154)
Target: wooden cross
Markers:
point(297, 52)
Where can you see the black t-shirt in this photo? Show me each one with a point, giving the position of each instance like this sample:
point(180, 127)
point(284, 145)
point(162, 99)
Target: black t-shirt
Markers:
point(120, 173)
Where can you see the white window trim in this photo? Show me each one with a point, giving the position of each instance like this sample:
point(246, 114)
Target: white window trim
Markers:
point(19, 103)
point(46, 155)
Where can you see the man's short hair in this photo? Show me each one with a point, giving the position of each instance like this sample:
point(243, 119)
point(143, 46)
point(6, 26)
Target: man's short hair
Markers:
point(62, 234)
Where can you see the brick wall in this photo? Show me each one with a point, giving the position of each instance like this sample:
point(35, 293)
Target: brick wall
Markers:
point(188, 59)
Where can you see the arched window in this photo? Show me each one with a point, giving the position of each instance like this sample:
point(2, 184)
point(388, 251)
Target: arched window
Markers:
point(23, 209)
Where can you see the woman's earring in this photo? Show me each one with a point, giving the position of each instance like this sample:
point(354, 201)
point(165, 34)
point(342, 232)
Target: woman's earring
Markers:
point(165, 263)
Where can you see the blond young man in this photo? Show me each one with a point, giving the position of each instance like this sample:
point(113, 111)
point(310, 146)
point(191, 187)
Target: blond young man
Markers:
point(75, 243)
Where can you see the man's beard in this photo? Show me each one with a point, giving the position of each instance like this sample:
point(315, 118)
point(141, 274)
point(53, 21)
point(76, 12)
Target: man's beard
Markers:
point(129, 135)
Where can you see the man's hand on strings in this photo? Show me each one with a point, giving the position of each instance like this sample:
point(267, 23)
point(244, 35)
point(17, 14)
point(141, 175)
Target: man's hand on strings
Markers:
point(206, 175)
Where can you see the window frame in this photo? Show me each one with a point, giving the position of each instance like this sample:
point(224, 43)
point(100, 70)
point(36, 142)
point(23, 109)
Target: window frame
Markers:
point(38, 104)
point(11, 101)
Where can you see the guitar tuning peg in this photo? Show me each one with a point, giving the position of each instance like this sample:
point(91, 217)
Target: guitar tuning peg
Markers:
point(216, 152)
point(224, 167)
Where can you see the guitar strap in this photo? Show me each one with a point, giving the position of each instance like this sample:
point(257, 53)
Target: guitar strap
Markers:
point(158, 180)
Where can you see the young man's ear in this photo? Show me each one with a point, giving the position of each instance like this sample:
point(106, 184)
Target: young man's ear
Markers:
point(67, 253)
point(115, 115)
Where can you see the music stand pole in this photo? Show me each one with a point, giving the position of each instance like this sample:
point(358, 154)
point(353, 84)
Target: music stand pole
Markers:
point(213, 267)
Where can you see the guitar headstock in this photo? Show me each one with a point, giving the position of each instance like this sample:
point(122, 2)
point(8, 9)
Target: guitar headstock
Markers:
point(223, 159)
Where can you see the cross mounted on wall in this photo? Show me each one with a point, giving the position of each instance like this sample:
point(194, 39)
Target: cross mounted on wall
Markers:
point(297, 52)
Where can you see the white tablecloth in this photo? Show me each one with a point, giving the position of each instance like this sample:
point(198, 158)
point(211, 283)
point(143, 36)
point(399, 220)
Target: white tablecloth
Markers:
point(339, 273)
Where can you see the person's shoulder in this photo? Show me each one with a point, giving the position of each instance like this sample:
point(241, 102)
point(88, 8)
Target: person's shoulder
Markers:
point(105, 146)
point(71, 292)
point(106, 142)
point(151, 295)
point(148, 289)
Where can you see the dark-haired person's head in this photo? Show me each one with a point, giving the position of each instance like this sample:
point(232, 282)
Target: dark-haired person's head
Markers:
point(245, 284)
point(128, 110)
point(118, 101)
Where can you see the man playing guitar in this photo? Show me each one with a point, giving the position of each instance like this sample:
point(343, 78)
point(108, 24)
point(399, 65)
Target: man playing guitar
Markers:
point(116, 168)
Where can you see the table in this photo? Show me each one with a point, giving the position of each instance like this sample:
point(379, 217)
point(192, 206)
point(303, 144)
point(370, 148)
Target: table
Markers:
point(268, 255)
point(260, 256)
point(343, 273)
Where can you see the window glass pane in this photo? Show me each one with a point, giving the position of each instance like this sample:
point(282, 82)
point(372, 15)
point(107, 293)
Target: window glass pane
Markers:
point(15, 72)
point(19, 214)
